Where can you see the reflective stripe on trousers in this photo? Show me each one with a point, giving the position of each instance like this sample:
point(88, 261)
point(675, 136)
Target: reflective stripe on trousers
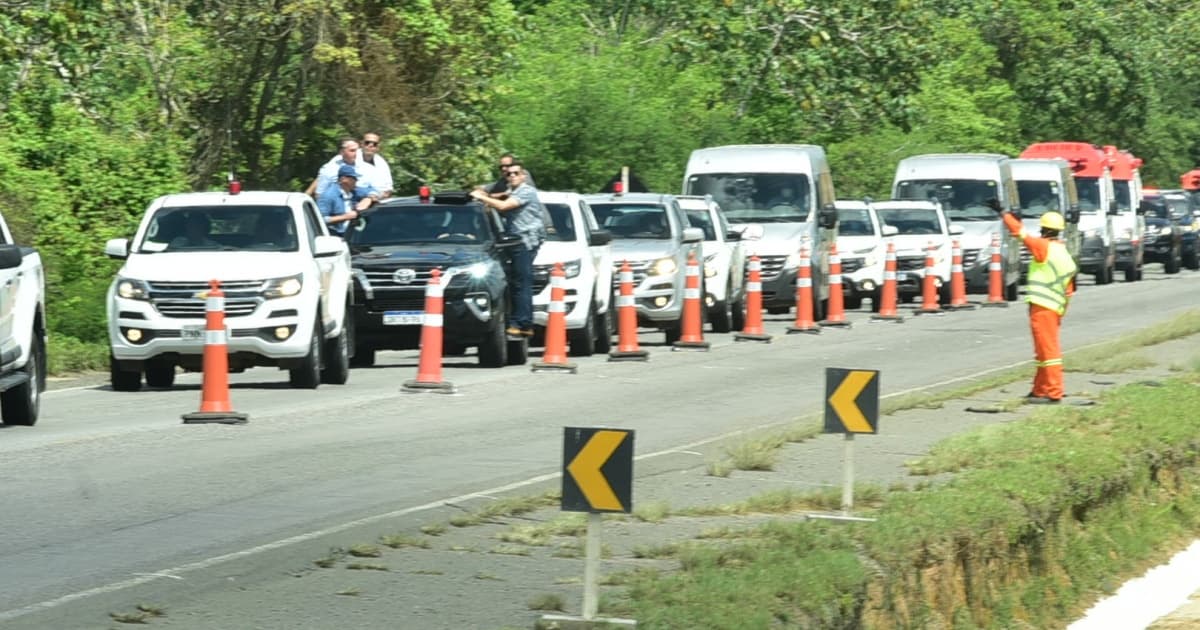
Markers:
point(1045, 324)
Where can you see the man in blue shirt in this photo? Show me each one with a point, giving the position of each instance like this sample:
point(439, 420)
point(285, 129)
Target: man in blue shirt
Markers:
point(341, 204)
point(522, 213)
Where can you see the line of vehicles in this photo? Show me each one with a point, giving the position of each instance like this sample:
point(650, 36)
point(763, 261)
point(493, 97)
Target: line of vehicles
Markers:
point(315, 304)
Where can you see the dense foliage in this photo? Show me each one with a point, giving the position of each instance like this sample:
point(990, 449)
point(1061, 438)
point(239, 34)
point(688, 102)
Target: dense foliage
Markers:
point(105, 105)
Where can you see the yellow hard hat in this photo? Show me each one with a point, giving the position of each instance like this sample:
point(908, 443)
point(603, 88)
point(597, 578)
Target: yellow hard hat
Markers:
point(1053, 221)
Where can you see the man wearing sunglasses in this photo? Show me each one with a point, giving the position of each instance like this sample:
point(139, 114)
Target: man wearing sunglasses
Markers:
point(501, 186)
point(372, 168)
point(523, 216)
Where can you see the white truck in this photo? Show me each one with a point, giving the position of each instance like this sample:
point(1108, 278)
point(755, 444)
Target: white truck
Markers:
point(22, 331)
point(286, 283)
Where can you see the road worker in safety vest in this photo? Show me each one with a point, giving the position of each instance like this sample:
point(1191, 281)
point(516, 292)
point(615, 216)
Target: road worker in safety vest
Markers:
point(1048, 290)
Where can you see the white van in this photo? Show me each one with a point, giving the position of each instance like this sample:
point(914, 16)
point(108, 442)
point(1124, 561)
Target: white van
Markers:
point(788, 190)
point(962, 183)
point(862, 248)
point(1043, 186)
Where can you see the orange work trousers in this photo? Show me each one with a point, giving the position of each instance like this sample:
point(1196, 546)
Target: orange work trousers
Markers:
point(1044, 322)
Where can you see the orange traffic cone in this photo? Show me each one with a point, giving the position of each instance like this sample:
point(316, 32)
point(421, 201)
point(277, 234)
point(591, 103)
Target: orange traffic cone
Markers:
point(753, 329)
point(958, 283)
point(554, 355)
point(429, 368)
point(996, 277)
point(929, 293)
point(887, 294)
point(836, 315)
point(627, 335)
point(214, 394)
point(804, 297)
point(692, 337)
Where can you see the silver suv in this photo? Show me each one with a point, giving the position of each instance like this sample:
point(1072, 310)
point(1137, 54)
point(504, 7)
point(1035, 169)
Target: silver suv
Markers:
point(652, 233)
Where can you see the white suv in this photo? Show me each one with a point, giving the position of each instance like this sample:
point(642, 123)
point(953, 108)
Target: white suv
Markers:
point(285, 279)
point(724, 263)
point(862, 248)
point(576, 240)
point(919, 225)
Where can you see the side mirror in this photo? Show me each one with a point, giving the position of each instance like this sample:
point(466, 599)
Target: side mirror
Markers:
point(326, 246)
point(117, 248)
point(1143, 207)
point(733, 235)
point(1072, 214)
point(600, 237)
point(828, 216)
point(508, 240)
point(1112, 206)
point(956, 229)
point(889, 230)
point(693, 235)
point(10, 256)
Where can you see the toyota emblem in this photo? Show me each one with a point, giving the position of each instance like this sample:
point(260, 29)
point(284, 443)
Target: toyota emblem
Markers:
point(404, 276)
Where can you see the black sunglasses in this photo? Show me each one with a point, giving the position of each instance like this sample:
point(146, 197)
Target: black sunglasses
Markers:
point(511, 173)
point(370, 143)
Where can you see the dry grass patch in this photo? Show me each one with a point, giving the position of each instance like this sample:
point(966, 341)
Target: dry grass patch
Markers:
point(364, 551)
point(719, 468)
point(349, 592)
point(399, 541)
point(548, 601)
point(756, 454)
point(510, 550)
point(652, 511)
point(367, 566)
point(433, 529)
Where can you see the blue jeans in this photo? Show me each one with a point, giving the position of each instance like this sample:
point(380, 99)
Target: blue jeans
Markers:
point(521, 285)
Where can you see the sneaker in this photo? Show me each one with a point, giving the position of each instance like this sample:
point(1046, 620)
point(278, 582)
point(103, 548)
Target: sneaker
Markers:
point(513, 331)
point(528, 332)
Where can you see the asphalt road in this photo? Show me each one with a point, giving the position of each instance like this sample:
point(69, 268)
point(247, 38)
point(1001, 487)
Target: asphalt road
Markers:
point(110, 492)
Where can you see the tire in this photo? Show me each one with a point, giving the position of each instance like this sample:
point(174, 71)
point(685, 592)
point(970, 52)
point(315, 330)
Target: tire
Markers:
point(1131, 274)
point(672, 333)
point(1010, 292)
point(1105, 276)
point(1192, 261)
point(20, 405)
point(876, 302)
point(160, 374)
point(739, 315)
point(721, 316)
point(853, 303)
point(944, 295)
point(337, 358)
point(518, 351)
point(123, 381)
point(1171, 266)
point(364, 356)
point(493, 352)
point(308, 375)
point(453, 349)
point(581, 342)
point(820, 308)
point(778, 310)
point(604, 332)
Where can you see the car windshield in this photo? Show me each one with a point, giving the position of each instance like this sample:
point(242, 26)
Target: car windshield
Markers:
point(1124, 191)
point(962, 199)
point(855, 222)
point(1089, 193)
point(911, 221)
point(701, 219)
point(562, 226)
point(1180, 207)
point(633, 220)
point(756, 197)
point(220, 229)
point(425, 223)
point(1037, 197)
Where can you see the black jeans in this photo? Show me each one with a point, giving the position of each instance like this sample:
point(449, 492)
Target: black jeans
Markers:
point(522, 286)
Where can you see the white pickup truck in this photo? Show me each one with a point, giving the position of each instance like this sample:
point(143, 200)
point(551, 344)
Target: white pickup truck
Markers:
point(22, 331)
point(286, 283)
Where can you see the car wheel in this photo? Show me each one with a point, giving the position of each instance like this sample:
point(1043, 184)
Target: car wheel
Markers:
point(721, 317)
point(672, 333)
point(20, 405)
point(604, 331)
point(308, 375)
point(364, 356)
point(453, 349)
point(778, 310)
point(1131, 274)
point(1010, 292)
point(517, 351)
point(337, 358)
point(853, 303)
point(493, 352)
point(122, 380)
point(739, 315)
point(582, 341)
point(1173, 262)
point(1192, 261)
point(160, 373)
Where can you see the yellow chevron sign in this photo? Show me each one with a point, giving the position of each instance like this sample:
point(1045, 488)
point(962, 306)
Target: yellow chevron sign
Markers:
point(851, 401)
point(597, 470)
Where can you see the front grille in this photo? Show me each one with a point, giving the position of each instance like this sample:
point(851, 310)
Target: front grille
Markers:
point(969, 257)
point(383, 276)
point(180, 299)
point(1025, 255)
point(772, 266)
point(640, 270)
point(910, 263)
point(850, 265)
point(398, 301)
point(541, 277)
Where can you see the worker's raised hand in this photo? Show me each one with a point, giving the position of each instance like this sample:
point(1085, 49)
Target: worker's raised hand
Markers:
point(994, 204)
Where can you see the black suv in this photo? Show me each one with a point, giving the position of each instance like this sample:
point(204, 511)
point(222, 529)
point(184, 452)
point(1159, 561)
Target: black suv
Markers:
point(1164, 233)
point(394, 249)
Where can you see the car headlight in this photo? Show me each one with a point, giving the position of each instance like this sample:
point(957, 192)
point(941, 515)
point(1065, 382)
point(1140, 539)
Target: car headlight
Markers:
point(663, 267)
point(132, 289)
point(1093, 233)
point(1186, 228)
point(283, 287)
point(792, 261)
point(1127, 233)
point(572, 268)
point(870, 260)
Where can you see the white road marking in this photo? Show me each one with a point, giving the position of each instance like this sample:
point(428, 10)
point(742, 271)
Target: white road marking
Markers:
point(1143, 600)
point(278, 544)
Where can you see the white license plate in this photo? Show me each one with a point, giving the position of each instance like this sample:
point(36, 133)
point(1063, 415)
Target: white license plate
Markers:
point(192, 333)
point(402, 318)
